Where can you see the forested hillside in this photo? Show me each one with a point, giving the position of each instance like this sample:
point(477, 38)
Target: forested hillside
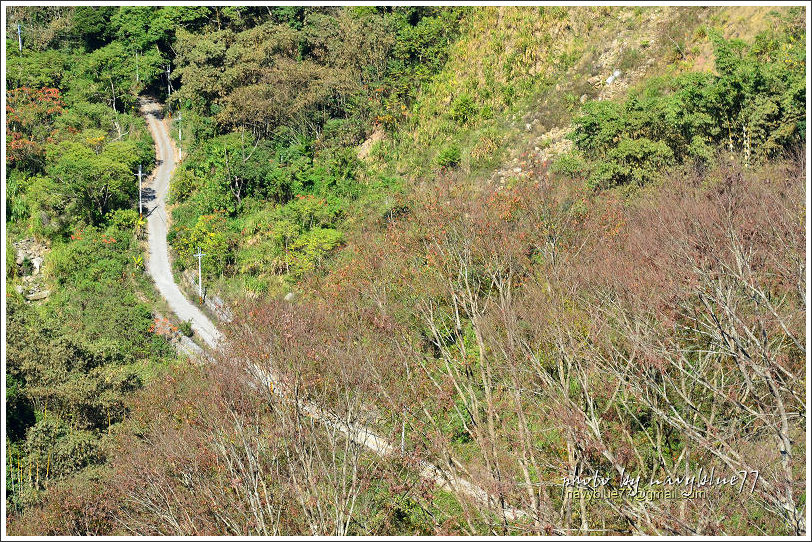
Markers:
point(80, 335)
point(528, 245)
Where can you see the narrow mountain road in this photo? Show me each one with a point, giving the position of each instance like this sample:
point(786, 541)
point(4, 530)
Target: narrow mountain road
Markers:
point(158, 264)
point(161, 271)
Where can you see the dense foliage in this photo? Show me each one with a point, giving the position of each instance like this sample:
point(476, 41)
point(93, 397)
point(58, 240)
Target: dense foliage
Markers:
point(754, 104)
point(72, 360)
point(509, 269)
point(80, 336)
point(260, 194)
point(274, 106)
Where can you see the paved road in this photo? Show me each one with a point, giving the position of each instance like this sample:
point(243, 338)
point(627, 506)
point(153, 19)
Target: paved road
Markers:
point(161, 271)
point(158, 264)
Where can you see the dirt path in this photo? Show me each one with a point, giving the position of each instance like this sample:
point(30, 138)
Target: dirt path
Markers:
point(158, 263)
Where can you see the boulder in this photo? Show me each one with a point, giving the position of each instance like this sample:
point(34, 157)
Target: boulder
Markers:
point(36, 296)
point(30, 250)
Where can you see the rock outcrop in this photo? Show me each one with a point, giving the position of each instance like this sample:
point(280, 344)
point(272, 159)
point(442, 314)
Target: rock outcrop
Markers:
point(29, 257)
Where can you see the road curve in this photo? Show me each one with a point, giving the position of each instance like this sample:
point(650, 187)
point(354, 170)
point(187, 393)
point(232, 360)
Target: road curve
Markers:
point(161, 271)
point(158, 263)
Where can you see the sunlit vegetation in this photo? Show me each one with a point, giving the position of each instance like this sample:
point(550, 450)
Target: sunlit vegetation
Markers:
point(753, 105)
point(626, 297)
point(76, 354)
point(274, 110)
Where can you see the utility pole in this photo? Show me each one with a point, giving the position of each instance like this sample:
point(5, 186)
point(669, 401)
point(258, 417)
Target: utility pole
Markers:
point(403, 434)
point(168, 81)
point(140, 204)
point(20, 38)
point(180, 136)
point(199, 255)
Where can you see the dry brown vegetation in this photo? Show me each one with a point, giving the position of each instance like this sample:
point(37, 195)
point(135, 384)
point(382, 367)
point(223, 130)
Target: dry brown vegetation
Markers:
point(518, 337)
point(513, 336)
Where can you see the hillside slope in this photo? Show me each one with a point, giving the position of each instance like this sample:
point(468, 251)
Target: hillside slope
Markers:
point(558, 252)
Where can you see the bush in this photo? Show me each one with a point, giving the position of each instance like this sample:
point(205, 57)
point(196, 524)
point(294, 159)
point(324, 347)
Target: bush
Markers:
point(123, 219)
point(449, 156)
point(210, 234)
point(184, 184)
point(185, 327)
point(70, 449)
point(255, 285)
point(755, 105)
point(570, 165)
point(308, 251)
point(46, 207)
point(16, 207)
point(639, 161)
point(463, 109)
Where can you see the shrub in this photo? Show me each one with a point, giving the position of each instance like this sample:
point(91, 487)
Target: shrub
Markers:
point(255, 285)
point(569, 164)
point(463, 109)
point(185, 327)
point(46, 207)
point(184, 184)
point(210, 234)
point(123, 219)
point(639, 160)
point(16, 206)
point(754, 105)
point(309, 249)
point(449, 156)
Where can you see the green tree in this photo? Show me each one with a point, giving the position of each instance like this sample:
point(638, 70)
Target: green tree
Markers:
point(91, 24)
point(92, 176)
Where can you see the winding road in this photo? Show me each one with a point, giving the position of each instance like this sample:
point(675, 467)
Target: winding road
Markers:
point(160, 269)
point(158, 263)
